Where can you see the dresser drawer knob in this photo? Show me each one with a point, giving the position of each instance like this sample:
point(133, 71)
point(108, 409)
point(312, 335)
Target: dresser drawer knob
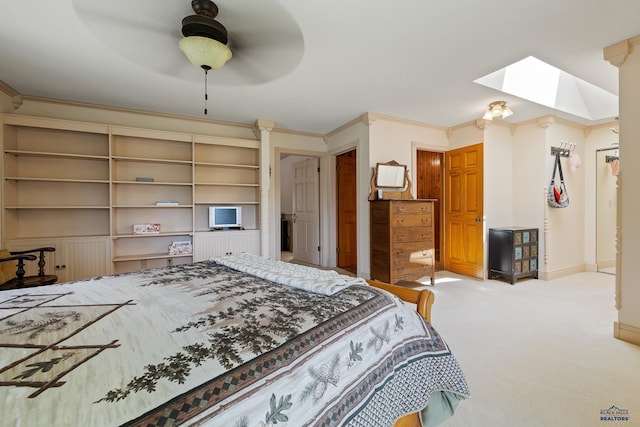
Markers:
point(400, 236)
point(400, 221)
point(400, 252)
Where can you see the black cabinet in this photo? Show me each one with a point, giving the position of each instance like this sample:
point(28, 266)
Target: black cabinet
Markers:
point(513, 253)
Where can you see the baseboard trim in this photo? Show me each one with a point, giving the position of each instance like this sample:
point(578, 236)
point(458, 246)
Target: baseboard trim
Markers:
point(550, 275)
point(626, 333)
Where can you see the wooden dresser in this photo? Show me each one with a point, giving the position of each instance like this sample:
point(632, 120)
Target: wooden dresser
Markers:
point(402, 240)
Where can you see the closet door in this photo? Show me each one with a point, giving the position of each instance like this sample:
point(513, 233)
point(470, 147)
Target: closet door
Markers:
point(464, 213)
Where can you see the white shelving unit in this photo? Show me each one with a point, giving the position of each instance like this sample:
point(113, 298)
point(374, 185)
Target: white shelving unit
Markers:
point(68, 183)
point(56, 193)
point(149, 167)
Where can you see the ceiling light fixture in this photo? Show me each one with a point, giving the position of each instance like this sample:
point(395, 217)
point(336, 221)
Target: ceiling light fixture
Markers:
point(205, 40)
point(497, 109)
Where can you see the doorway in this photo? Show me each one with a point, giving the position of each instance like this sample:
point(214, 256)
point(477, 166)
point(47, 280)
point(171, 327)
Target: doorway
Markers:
point(607, 162)
point(429, 180)
point(346, 212)
point(299, 209)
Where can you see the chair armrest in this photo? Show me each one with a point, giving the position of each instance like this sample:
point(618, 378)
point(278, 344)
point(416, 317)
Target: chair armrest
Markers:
point(19, 257)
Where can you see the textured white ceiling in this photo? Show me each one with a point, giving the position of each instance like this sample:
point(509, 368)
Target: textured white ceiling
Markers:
point(309, 66)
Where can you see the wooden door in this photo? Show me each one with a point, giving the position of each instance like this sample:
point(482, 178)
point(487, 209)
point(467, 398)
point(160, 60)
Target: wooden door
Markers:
point(306, 211)
point(464, 215)
point(429, 186)
point(347, 214)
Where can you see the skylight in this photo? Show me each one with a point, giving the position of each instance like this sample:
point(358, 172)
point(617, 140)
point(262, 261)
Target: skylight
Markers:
point(539, 82)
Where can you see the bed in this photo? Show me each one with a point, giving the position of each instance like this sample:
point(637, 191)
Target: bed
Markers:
point(236, 341)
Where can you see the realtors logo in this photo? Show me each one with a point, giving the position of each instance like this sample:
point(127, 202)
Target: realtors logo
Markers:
point(614, 414)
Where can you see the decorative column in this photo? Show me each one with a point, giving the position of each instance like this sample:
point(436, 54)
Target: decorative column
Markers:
point(262, 131)
point(544, 123)
point(626, 56)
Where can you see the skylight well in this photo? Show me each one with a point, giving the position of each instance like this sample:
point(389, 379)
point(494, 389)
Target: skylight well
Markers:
point(539, 82)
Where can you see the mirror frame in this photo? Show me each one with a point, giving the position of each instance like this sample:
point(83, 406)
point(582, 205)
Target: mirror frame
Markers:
point(399, 191)
point(390, 175)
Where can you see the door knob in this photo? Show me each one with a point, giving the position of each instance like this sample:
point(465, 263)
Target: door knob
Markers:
point(478, 219)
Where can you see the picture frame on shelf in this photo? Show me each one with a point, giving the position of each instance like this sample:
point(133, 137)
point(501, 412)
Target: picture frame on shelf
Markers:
point(181, 248)
point(146, 228)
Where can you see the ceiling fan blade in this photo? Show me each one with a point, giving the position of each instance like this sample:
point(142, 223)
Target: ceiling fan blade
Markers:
point(147, 32)
point(144, 31)
point(259, 59)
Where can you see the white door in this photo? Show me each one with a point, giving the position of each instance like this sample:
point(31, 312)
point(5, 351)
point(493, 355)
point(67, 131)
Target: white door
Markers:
point(306, 211)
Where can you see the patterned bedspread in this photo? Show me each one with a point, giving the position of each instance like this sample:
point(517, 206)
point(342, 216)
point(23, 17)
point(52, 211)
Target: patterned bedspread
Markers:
point(203, 344)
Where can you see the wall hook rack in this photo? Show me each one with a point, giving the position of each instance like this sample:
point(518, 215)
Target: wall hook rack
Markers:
point(564, 150)
point(609, 159)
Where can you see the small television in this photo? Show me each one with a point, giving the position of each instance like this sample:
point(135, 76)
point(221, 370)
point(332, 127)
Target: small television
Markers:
point(225, 217)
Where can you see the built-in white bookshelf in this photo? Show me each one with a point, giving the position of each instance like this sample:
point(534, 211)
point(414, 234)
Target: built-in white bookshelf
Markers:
point(92, 183)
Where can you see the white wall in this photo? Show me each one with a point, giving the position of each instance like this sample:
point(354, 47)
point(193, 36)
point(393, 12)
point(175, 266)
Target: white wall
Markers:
point(395, 139)
point(499, 165)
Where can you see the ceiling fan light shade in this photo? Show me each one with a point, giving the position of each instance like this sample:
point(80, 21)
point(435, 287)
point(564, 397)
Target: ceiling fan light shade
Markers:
point(205, 52)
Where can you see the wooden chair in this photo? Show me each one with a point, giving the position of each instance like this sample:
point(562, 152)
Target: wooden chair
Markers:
point(14, 277)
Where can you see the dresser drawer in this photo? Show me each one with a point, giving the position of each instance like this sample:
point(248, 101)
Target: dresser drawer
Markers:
point(411, 208)
point(405, 250)
point(401, 267)
point(404, 220)
point(412, 234)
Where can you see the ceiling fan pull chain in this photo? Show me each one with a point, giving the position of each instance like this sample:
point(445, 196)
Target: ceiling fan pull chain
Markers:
point(206, 96)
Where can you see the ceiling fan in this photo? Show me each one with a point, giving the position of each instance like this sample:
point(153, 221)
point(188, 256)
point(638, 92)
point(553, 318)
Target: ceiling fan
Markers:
point(265, 40)
point(205, 39)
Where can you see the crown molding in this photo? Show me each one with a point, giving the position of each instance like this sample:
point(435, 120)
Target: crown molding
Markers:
point(298, 132)
point(16, 98)
point(133, 111)
point(377, 116)
point(617, 53)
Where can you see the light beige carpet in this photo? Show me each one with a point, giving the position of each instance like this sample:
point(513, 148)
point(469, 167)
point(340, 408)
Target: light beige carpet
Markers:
point(538, 353)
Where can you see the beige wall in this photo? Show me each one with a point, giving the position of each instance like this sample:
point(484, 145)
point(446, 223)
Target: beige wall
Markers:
point(565, 236)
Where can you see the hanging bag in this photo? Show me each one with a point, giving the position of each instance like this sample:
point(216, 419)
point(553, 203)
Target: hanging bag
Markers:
point(557, 196)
